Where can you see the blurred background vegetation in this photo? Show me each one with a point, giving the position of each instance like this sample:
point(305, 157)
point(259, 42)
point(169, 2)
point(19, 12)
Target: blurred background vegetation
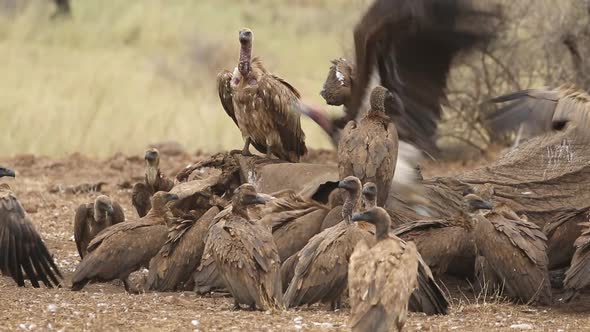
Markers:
point(119, 74)
point(122, 74)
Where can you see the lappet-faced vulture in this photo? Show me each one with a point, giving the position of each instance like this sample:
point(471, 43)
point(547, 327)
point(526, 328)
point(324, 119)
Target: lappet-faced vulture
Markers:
point(124, 248)
point(180, 256)
point(265, 107)
point(381, 279)
point(368, 147)
point(23, 255)
point(514, 255)
point(154, 181)
point(92, 218)
point(411, 46)
point(245, 253)
point(321, 269)
point(538, 111)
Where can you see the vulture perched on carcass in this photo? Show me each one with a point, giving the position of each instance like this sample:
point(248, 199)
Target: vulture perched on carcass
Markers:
point(124, 248)
point(265, 107)
point(92, 218)
point(538, 111)
point(411, 46)
point(154, 181)
point(382, 278)
point(368, 147)
point(23, 255)
point(245, 253)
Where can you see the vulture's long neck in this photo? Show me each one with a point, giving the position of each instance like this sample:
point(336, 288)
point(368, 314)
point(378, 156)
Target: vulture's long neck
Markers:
point(245, 62)
point(158, 212)
point(351, 198)
point(151, 175)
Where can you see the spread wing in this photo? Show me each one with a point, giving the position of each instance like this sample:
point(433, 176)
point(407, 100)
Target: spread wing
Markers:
point(515, 249)
point(81, 229)
point(540, 109)
point(281, 101)
point(23, 255)
point(412, 45)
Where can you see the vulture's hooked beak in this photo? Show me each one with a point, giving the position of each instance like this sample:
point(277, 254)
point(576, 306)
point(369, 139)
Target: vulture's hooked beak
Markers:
point(262, 198)
point(151, 155)
point(483, 205)
point(245, 36)
point(361, 216)
point(171, 197)
point(7, 172)
point(314, 112)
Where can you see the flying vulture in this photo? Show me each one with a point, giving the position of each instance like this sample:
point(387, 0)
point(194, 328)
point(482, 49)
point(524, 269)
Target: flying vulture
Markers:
point(411, 46)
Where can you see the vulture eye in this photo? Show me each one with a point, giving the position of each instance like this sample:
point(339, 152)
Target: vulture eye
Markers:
point(559, 125)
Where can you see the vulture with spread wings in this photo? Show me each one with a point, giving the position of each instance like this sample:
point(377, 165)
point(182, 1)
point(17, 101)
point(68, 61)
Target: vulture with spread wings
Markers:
point(537, 111)
point(411, 46)
point(23, 255)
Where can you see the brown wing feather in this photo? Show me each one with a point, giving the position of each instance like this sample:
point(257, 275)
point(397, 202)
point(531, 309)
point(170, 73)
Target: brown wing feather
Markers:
point(81, 229)
point(140, 198)
point(226, 94)
point(412, 44)
point(23, 255)
point(181, 255)
point(280, 105)
point(516, 251)
point(577, 276)
point(118, 215)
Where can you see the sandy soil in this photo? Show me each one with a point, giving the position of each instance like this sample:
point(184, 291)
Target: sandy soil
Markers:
point(44, 187)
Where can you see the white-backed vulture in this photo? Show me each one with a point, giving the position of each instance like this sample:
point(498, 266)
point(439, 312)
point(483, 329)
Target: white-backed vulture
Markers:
point(245, 253)
point(92, 218)
point(265, 107)
point(321, 267)
point(382, 278)
point(180, 256)
point(368, 147)
point(23, 254)
point(514, 255)
point(124, 248)
point(154, 181)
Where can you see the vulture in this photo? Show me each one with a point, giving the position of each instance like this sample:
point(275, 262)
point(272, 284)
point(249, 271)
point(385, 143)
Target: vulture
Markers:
point(245, 253)
point(382, 278)
point(265, 107)
point(92, 218)
point(411, 46)
point(23, 255)
point(321, 267)
point(537, 111)
point(368, 147)
point(124, 248)
point(207, 278)
point(293, 220)
point(154, 181)
point(334, 216)
point(577, 276)
point(446, 245)
point(181, 254)
point(514, 256)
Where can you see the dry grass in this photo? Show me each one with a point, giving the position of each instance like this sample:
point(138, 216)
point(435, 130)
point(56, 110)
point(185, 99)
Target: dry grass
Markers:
point(127, 73)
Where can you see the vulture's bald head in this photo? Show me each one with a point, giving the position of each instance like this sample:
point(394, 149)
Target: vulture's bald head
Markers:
point(472, 203)
point(103, 207)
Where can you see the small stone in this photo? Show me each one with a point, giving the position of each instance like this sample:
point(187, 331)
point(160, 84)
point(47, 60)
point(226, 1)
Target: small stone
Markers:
point(521, 326)
point(52, 307)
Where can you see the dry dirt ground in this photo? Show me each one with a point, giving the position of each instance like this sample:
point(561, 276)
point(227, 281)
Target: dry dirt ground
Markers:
point(44, 187)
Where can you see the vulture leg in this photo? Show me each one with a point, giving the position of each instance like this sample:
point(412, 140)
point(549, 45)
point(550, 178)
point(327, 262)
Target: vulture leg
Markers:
point(336, 304)
point(236, 306)
point(246, 149)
